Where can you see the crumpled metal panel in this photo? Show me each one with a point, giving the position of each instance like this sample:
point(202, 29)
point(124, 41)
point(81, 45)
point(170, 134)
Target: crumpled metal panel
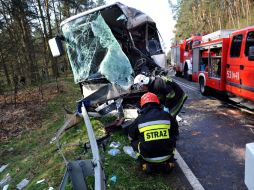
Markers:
point(104, 92)
point(94, 52)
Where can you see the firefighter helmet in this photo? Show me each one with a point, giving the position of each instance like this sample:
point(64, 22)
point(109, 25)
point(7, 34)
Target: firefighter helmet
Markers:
point(141, 80)
point(149, 98)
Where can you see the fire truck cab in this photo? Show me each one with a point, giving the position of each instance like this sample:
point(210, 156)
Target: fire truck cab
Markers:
point(240, 64)
point(226, 64)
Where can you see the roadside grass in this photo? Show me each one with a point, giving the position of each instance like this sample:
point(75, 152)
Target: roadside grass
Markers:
point(31, 155)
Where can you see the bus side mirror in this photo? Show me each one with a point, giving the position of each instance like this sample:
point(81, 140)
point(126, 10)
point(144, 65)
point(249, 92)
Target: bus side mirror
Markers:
point(56, 46)
point(251, 53)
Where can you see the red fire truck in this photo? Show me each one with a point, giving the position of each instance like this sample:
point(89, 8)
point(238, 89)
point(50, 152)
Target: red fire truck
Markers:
point(181, 56)
point(226, 64)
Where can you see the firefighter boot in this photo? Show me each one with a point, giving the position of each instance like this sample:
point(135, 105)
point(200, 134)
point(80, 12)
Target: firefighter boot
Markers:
point(146, 168)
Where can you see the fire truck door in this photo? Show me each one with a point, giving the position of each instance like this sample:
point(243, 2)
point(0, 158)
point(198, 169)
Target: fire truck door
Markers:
point(233, 81)
point(195, 63)
point(247, 68)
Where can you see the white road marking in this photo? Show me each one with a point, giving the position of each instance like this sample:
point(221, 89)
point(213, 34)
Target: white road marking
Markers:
point(187, 172)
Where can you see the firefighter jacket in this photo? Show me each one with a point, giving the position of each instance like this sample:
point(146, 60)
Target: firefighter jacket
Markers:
point(170, 94)
point(153, 134)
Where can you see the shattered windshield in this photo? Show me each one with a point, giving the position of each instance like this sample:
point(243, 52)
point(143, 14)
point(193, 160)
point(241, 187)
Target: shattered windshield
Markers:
point(94, 52)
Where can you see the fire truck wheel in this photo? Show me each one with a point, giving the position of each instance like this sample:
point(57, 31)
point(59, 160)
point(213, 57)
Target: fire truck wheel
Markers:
point(185, 73)
point(178, 74)
point(203, 89)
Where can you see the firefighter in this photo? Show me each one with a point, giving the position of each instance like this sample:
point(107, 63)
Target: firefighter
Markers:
point(152, 134)
point(170, 94)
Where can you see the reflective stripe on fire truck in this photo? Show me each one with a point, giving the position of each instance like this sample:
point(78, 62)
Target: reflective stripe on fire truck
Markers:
point(241, 86)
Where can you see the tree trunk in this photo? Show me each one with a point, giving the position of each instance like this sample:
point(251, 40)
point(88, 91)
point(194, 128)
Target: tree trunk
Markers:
point(6, 72)
point(52, 60)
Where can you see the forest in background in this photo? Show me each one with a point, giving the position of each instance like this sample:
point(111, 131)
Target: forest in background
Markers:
point(195, 17)
point(25, 28)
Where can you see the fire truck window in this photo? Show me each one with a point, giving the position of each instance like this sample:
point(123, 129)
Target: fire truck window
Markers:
point(236, 46)
point(190, 45)
point(196, 42)
point(186, 47)
point(204, 60)
point(249, 42)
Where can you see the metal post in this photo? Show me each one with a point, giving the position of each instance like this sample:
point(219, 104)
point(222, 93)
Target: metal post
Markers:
point(98, 173)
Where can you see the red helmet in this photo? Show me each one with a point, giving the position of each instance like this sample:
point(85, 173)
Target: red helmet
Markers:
point(148, 98)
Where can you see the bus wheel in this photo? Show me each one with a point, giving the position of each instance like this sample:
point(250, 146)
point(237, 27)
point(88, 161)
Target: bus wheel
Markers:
point(203, 89)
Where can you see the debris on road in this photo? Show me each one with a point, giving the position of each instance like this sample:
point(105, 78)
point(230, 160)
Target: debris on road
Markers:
point(115, 144)
point(114, 151)
point(195, 133)
point(113, 179)
point(3, 167)
point(40, 181)
point(6, 187)
point(22, 184)
point(179, 119)
point(52, 140)
point(5, 180)
point(129, 150)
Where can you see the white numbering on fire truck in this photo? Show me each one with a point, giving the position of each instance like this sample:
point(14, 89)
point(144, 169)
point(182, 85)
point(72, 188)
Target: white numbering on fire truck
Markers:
point(233, 75)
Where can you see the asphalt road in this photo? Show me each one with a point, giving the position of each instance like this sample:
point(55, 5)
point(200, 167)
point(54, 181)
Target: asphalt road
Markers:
point(212, 140)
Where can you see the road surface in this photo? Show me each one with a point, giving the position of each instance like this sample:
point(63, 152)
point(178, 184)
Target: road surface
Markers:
point(213, 135)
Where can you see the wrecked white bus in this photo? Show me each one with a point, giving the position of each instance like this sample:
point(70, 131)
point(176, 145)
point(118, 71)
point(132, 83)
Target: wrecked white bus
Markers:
point(107, 47)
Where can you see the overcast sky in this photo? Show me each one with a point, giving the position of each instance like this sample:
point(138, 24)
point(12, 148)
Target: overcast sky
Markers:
point(159, 11)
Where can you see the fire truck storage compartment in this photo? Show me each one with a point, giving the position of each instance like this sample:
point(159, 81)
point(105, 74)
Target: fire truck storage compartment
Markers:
point(204, 61)
point(215, 61)
point(175, 56)
point(195, 60)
